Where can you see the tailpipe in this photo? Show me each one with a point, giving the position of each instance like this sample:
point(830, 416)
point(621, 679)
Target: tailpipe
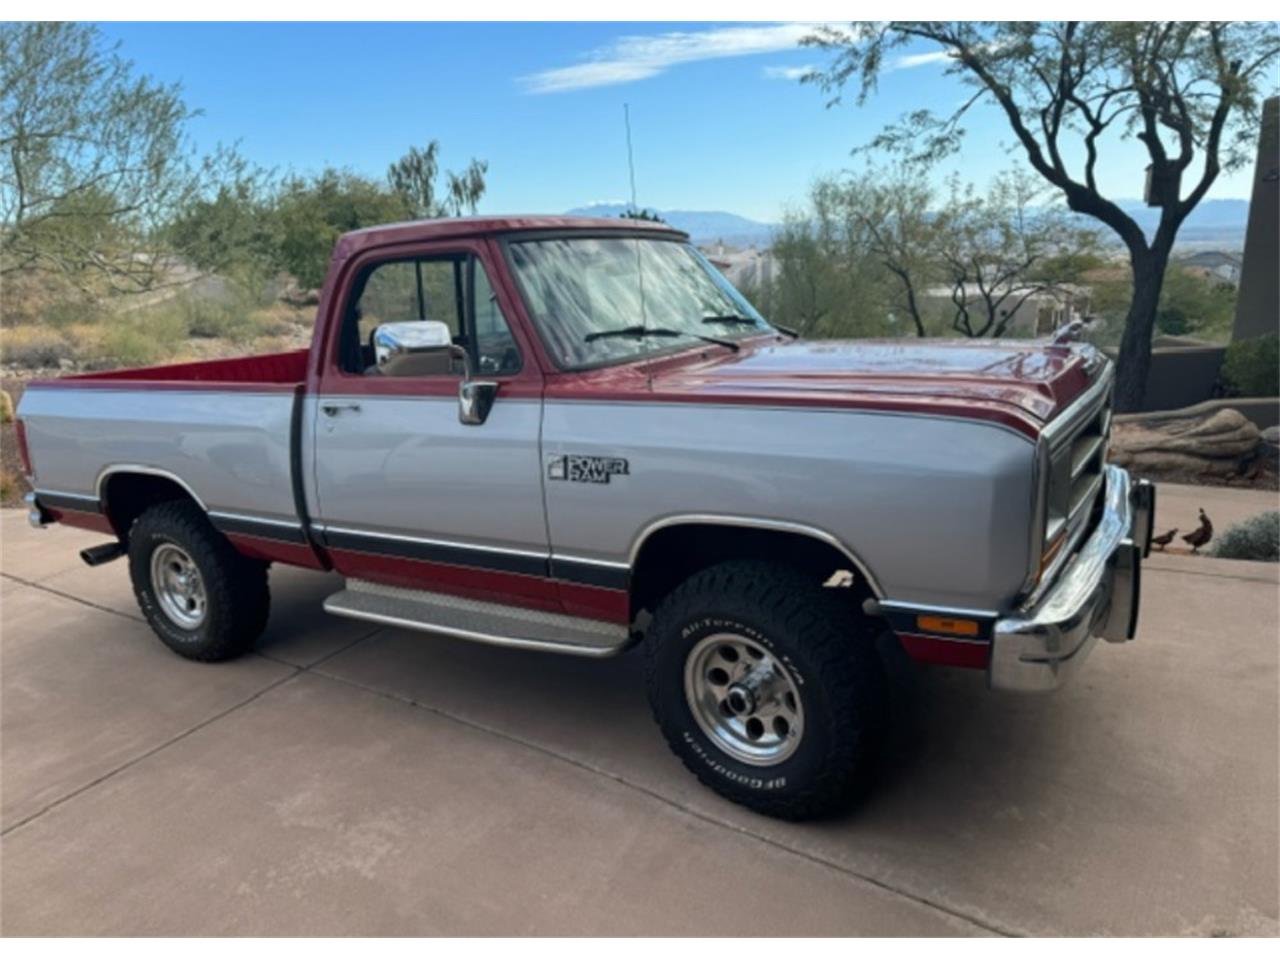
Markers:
point(102, 553)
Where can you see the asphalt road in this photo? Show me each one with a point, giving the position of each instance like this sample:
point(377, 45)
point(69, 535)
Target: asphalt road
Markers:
point(347, 780)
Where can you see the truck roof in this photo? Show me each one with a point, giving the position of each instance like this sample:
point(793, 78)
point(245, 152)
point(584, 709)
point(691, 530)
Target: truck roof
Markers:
point(392, 233)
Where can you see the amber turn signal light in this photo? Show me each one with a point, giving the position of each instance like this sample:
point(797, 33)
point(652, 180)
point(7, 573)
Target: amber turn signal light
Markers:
point(960, 628)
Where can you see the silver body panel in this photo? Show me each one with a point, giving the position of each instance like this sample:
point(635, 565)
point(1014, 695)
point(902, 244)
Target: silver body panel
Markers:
point(229, 448)
point(407, 466)
point(930, 510)
point(935, 509)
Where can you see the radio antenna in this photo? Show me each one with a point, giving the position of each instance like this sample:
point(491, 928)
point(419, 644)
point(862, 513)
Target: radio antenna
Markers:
point(631, 162)
point(634, 212)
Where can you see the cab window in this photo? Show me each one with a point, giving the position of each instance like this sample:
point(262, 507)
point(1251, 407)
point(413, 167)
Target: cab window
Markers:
point(454, 290)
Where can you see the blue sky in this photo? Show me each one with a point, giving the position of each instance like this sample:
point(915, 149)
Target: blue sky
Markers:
point(718, 121)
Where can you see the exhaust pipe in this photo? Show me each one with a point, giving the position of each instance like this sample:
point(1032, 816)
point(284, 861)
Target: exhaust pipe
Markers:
point(103, 553)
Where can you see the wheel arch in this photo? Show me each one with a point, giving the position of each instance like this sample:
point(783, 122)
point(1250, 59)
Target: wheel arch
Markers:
point(126, 490)
point(668, 551)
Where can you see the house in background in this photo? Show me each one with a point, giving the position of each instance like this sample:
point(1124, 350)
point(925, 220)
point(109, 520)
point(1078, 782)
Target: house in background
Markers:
point(1036, 314)
point(749, 267)
point(1213, 265)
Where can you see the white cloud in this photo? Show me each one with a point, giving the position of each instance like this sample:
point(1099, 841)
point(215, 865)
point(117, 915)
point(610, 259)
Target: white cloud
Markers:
point(910, 60)
point(788, 73)
point(633, 58)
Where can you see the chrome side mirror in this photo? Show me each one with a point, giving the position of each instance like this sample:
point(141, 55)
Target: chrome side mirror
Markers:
point(425, 347)
point(475, 400)
point(413, 348)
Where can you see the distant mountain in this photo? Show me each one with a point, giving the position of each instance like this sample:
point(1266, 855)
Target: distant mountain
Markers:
point(1214, 224)
point(703, 226)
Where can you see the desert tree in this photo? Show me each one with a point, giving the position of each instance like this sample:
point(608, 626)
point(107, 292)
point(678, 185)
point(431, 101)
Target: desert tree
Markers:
point(887, 217)
point(827, 278)
point(996, 250)
point(1189, 92)
point(93, 160)
point(414, 177)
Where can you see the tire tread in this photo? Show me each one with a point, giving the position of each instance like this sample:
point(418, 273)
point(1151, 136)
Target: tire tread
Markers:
point(236, 586)
point(839, 646)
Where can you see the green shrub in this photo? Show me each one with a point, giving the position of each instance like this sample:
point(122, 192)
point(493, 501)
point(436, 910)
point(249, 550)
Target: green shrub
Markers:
point(1251, 368)
point(1257, 538)
point(212, 318)
point(144, 338)
point(11, 486)
point(66, 313)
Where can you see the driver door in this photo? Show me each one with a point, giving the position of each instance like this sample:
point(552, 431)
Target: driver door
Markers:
point(405, 493)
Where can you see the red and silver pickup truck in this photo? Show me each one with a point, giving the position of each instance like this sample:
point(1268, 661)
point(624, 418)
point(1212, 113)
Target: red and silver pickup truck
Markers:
point(574, 436)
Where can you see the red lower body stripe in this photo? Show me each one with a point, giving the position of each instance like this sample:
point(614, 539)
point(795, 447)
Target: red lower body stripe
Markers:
point(945, 652)
point(265, 548)
point(493, 586)
point(83, 519)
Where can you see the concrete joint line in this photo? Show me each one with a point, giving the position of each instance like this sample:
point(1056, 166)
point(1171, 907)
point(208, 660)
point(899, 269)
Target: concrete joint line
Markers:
point(74, 599)
point(986, 925)
point(145, 754)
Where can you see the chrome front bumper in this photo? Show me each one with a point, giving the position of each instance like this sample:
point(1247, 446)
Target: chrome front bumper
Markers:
point(1095, 595)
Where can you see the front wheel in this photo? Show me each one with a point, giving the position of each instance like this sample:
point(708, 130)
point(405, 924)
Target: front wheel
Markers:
point(768, 687)
point(201, 597)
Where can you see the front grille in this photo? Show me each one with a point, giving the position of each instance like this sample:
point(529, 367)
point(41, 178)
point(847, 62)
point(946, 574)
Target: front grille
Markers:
point(1088, 453)
point(1076, 460)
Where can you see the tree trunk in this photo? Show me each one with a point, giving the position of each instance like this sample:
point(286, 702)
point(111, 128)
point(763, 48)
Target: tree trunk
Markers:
point(1134, 363)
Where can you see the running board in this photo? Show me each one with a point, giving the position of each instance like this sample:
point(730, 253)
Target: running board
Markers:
point(476, 620)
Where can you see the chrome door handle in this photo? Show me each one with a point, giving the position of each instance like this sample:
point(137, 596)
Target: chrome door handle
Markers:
point(333, 409)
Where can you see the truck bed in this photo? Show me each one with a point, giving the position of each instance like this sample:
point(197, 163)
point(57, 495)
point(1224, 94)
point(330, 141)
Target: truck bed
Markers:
point(270, 370)
point(224, 430)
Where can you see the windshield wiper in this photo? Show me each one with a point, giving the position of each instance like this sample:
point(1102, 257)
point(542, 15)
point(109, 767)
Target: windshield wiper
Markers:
point(640, 332)
point(748, 322)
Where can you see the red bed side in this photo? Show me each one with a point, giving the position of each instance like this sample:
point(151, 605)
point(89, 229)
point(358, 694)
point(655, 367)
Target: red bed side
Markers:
point(276, 371)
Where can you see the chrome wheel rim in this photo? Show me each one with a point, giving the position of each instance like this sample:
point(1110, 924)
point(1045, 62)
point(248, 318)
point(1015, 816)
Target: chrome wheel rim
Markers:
point(744, 699)
point(178, 586)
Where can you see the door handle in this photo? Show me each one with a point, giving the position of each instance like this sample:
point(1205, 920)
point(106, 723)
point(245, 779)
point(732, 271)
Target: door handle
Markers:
point(333, 409)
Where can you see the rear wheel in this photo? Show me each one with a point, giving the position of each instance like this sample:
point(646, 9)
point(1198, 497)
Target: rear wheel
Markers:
point(202, 598)
point(768, 687)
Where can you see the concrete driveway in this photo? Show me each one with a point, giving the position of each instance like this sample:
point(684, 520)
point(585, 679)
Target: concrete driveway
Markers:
point(346, 780)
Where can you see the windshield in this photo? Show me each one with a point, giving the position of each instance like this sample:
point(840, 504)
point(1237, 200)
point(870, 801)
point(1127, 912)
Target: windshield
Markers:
point(592, 297)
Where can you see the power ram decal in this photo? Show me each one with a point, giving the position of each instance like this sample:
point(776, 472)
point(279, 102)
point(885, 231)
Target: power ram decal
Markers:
point(580, 469)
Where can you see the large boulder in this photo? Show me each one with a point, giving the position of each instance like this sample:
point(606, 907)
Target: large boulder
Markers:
point(1220, 444)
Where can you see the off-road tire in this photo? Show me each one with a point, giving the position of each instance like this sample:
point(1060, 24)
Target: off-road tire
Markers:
point(828, 646)
point(237, 598)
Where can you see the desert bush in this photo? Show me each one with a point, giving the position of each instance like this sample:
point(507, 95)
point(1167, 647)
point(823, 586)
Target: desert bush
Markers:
point(11, 486)
point(271, 345)
point(1257, 538)
point(143, 338)
point(1251, 368)
point(275, 321)
point(33, 347)
point(69, 312)
point(208, 319)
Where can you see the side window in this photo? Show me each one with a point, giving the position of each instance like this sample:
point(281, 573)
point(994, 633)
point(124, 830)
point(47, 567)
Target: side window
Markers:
point(411, 290)
point(495, 347)
point(454, 290)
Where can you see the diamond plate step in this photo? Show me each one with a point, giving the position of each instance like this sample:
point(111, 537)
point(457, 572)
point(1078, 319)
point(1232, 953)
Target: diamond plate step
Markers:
point(476, 620)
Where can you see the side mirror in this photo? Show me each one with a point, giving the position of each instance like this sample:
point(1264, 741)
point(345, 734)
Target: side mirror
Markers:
point(413, 348)
point(475, 400)
point(425, 347)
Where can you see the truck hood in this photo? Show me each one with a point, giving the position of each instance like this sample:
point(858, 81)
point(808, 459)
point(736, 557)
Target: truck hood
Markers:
point(1026, 381)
